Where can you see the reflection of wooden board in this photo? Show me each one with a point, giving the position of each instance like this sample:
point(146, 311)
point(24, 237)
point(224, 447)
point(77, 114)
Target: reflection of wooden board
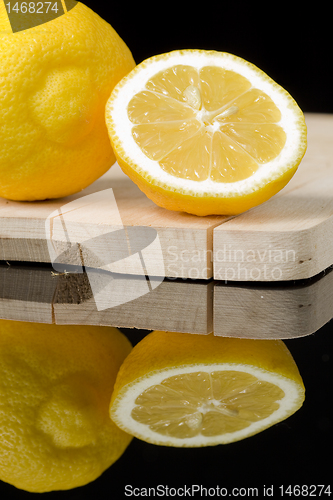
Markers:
point(26, 294)
point(273, 312)
point(172, 306)
point(37, 294)
point(231, 310)
point(288, 237)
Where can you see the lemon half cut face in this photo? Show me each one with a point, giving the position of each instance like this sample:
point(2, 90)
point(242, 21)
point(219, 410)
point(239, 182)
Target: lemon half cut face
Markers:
point(205, 132)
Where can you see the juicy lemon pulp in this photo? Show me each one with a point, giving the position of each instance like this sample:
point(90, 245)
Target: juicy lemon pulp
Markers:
point(207, 123)
point(210, 404)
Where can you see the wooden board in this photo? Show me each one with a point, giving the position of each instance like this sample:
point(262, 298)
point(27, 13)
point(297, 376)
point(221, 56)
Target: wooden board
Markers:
point(186, 240)
point(268, 311)
point(288, 237)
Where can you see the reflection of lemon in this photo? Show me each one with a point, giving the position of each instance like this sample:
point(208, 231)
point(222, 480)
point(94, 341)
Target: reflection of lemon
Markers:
point(178, 389)
point(205, 132)
point(55, 389)
point(55, 81)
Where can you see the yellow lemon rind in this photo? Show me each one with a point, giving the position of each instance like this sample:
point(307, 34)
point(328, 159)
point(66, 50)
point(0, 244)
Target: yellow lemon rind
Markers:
point(56, 79)
point(206, 203)
point(56, 432)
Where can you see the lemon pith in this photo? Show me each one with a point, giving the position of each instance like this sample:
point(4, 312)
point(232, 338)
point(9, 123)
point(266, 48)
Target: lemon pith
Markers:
point(184, 390)
point(56, 79)
point(205, 132)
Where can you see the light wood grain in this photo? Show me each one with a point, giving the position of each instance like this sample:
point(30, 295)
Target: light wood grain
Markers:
point(186, 240)
point(267, 311)
point(291, 235)
point(42, 295)
point(273, 312)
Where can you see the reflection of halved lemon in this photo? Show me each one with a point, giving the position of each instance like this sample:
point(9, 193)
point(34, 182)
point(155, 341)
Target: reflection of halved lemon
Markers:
point(205, 132)
point(55, 389)
point(178, 389)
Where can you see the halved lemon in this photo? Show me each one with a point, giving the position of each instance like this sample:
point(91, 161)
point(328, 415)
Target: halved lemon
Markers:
point(205, 132)
point(185, 390)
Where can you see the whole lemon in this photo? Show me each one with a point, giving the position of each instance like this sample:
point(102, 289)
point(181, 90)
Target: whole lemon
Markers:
point(55, 80)
point(55, 388)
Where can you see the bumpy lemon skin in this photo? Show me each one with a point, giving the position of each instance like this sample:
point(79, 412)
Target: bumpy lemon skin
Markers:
point(161, 350)
point(55, 387)
point(56, 79)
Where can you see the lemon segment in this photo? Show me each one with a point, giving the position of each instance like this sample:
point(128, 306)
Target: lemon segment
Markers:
point(148, 107)
point(229, 161)
point(207, 403)
point(158, 139)
point(183, 390)
point(249, 138)
point(237, 121)
point(192, 158)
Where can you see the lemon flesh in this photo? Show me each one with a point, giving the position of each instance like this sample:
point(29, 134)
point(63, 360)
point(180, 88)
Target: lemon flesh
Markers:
point(204, 124)
point(205, 403)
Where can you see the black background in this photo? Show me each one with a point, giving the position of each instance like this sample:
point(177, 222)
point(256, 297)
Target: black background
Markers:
point(291, 42)
point(292, 45)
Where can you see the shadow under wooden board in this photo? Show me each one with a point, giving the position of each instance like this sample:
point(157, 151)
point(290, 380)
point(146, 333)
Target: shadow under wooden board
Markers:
point(267, 311)
point(288, 237)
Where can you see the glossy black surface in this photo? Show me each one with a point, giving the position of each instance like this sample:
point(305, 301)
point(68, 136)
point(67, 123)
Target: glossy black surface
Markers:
point(292, 46)
point(291, 452)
